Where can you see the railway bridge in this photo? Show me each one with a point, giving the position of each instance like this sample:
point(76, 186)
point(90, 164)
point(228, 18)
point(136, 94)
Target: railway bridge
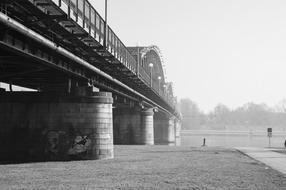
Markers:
point(90, 91)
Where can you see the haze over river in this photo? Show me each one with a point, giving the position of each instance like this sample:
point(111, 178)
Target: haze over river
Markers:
point(226, 138)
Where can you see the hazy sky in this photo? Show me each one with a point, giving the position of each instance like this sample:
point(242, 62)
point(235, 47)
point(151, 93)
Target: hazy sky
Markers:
point(215, 51)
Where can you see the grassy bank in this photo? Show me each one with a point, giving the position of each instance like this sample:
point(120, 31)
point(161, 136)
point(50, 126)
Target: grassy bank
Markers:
point(147, 167)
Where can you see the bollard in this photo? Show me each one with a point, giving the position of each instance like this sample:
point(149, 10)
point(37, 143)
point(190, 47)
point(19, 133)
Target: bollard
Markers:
point(204, 142)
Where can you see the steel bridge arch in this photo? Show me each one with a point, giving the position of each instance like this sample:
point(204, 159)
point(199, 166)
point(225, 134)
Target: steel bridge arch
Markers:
point(160, 66)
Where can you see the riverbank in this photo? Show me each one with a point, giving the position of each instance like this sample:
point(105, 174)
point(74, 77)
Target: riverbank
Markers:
point(148, 167)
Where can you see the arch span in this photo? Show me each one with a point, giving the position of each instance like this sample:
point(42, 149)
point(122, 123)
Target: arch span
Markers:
point(159, 67)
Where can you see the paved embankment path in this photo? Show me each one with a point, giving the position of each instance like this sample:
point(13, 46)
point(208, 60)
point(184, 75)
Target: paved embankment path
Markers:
point(148, 167)
point(267, 156)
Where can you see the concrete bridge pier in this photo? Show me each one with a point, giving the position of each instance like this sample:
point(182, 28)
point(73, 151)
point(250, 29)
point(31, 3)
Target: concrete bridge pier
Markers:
point(177, 132)
point(164, 129)
point(171, 131)
point(126, 122)
point(37, 126)
point(133, 126)
point(147, 126)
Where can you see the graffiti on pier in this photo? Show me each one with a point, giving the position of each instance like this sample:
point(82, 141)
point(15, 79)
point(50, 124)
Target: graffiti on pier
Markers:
point(80, 145)
point(62, 143)
point(53, 142)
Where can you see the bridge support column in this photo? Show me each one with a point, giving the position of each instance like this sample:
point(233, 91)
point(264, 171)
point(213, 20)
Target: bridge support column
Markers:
point(126, 122)
point(177, 132)
point(39, 126)
point(171, 132)
point(164, 130)
point(147, 127)
point(133, 126)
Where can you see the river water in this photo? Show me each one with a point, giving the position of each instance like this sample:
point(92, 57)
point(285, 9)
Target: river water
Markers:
point(195, 138)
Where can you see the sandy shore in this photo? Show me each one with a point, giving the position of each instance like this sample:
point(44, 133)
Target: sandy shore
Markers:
point(148, 167)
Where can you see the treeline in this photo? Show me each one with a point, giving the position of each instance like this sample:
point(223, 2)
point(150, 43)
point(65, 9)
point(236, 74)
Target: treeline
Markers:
point(250, 116)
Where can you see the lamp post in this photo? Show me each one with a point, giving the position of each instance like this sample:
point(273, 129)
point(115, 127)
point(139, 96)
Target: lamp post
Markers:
point(151, 68)
point(159, 81)
point(167, 92)
point(105, 26)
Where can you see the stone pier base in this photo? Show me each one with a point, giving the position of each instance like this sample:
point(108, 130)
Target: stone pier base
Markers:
point(164, 130)
point(177, 132)
point(133, 126)
point(38, 126)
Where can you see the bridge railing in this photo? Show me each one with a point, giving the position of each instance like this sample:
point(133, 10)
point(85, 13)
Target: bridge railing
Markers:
point(144, 75)
point(119, 51)
point(84, 14)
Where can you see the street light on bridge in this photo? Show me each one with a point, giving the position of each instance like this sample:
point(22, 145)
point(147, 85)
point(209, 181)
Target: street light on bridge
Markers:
point(105, 26)
point(159, 79)
point(151, 69)
point(165, 90)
